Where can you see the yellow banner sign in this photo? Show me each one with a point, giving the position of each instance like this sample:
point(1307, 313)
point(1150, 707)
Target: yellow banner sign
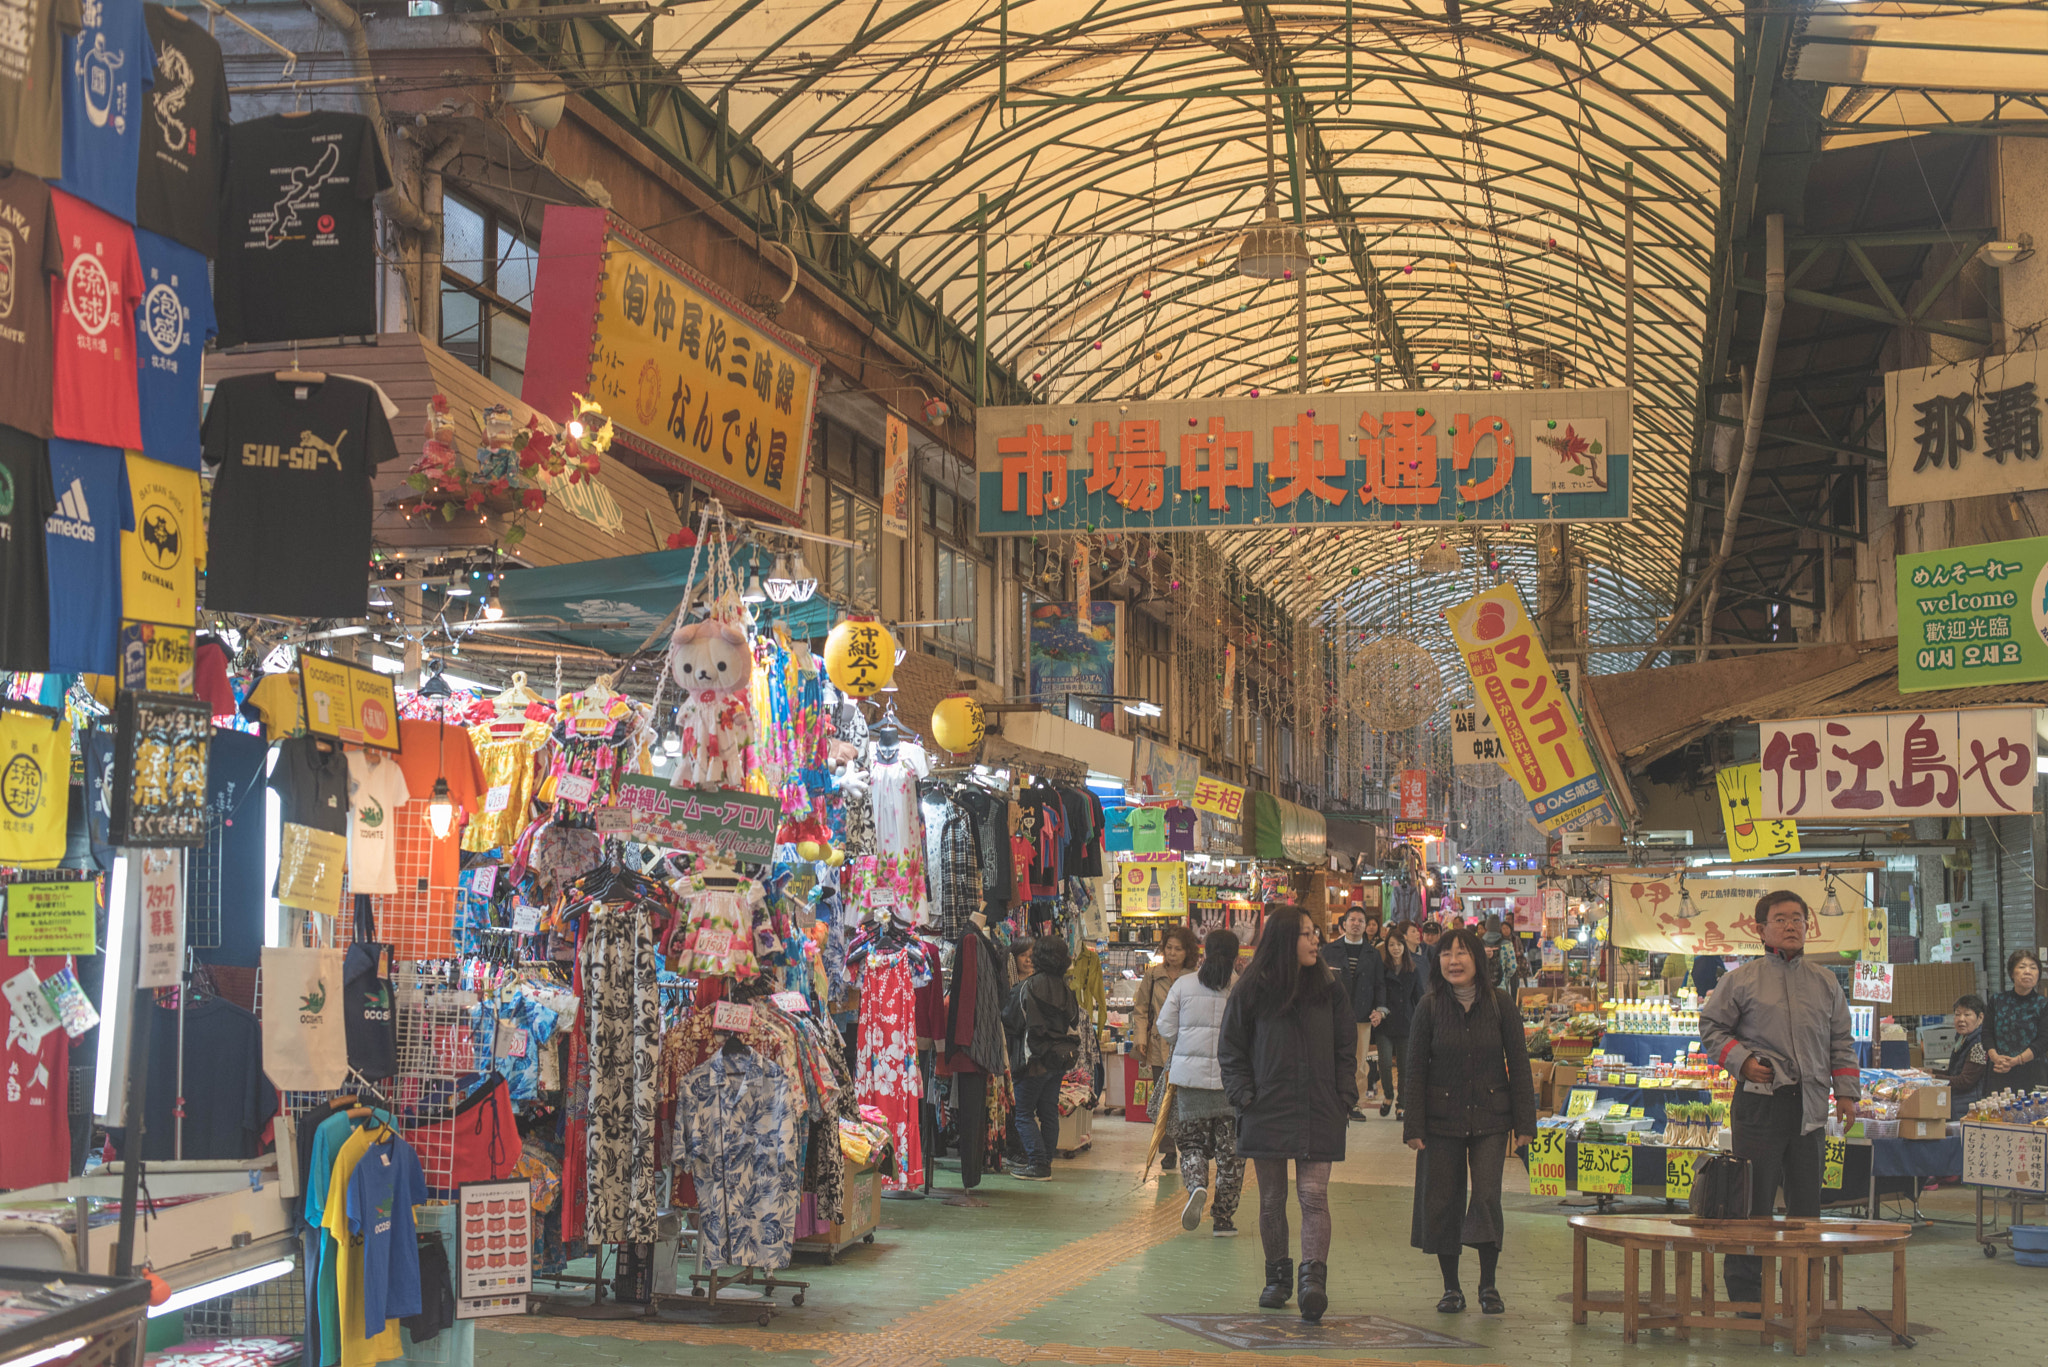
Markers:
point(355, 705)
point(1750, 834)
point(1546, 1162)
point(1607, 1168)
point(1654, 912)
point(156, 658)
point(1155, 889)
point(1539, 728)
point(678, 367)
point(1831, 1169)
point(1222, 799)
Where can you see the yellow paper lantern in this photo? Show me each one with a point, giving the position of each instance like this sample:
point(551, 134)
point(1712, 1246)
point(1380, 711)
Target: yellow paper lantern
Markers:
point(836, 857)
point(860, 657)
point(810, 849)
point(958, 723)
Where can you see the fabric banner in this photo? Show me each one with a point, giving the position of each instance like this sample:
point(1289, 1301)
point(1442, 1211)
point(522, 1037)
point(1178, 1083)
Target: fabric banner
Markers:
point(305, 1048)
point(1650, 912)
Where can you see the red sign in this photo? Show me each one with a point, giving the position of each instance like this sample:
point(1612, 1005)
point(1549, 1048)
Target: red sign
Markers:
point(1415, 795)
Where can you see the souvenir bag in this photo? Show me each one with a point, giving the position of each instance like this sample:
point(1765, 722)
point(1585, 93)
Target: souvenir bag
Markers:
point(712, 662)
point(305, 1043)
point(1720, 1188)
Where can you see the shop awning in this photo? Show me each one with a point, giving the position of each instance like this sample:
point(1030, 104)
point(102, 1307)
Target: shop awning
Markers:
point(614, 605)
point(1284, 830)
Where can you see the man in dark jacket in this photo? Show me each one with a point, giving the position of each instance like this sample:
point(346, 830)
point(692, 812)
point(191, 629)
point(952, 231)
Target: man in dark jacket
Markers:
point(1356, 965)
point(1052, 1045)
point(1425, 957)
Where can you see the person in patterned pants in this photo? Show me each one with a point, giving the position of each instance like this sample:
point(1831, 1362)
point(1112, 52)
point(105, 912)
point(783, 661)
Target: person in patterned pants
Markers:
point(1204, 1126)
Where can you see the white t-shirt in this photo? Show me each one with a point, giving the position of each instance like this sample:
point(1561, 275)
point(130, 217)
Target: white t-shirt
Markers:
point(376, 792)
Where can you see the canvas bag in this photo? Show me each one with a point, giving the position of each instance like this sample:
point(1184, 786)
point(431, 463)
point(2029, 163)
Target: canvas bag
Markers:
point(305, 1044)
point(1720, 1188)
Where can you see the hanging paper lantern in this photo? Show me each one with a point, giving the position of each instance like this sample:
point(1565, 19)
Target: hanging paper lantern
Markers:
point(958, 723)
point(811, 850)
point(937, 411)
point(860, 657)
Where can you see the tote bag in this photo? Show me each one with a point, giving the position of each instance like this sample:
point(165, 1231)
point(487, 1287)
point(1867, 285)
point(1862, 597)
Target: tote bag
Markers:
point(305, 1044)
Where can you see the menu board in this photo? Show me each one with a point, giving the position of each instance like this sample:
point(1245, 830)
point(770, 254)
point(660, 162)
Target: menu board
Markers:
point(2014, 1157)
point(494, 1249)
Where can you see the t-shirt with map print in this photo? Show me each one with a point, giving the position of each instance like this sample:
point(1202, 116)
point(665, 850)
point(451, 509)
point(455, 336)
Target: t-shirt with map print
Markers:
point(376, 790)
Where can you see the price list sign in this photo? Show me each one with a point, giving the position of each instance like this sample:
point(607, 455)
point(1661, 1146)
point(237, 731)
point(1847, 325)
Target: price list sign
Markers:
point(2005, 1156)
point(1606, 1169)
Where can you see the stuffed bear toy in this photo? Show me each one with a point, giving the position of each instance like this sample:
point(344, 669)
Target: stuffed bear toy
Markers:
point(713, 664)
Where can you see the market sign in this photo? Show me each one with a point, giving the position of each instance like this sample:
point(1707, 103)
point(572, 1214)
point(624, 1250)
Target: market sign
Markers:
point(1523, 455)
point(1415, 794)
point(1750, 834)
point(684, 373)
point(1964, 430)
point(1973, 615)
point(1497, 885)
point(740, 825)
point(160, 753)
point(1900, 764)
point(1473, 739)
point(1654, 911)
point(1223, 799)
point(1546, 752)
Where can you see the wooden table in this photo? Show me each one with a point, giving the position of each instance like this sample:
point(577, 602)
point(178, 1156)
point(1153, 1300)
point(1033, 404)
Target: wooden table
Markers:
point(1788, 1247)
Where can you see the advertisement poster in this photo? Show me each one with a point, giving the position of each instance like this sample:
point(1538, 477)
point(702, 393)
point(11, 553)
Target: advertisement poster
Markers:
point(354, 705)
point(896, 476)
point(51, 918)
point(494, 1249)
point(1900, 764)
point(1071, 656)
point(1650, 912)
point(156, 658)
point(161, 744)
point(1546, 752)
point(162, 874)
point(1154, 889)
point(1973, 615)
point(1161, 771)
point(1751, 835)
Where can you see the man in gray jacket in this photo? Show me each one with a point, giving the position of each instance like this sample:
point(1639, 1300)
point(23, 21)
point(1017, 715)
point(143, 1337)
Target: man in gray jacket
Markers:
point(1781, 1025)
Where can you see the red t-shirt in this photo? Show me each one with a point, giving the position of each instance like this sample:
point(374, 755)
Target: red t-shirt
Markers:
point(35, 1091)
point(95, 324)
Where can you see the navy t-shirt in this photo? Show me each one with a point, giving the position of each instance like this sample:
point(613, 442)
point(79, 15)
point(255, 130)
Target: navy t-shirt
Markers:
point(82, 539)
point(171, 329)
point(107, 66)
point(235, 772)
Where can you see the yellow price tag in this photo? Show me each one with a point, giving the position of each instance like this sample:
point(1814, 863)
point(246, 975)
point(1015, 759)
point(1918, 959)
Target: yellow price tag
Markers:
point(1580, 1102)
point(1636, 1112)
point(1608, 1168)
point(1831, 1170)
point(1630, 1080)
point(1546, 1162)
point(1678, 1171)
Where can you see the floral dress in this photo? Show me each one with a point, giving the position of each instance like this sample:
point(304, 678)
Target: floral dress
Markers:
point(886, 1076)
point(623, 1006)
point(736, 1133)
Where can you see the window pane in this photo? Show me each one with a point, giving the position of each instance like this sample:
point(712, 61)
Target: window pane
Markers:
point(462, 325)
point(462, 240)
point(516, 261)
point(508, 349)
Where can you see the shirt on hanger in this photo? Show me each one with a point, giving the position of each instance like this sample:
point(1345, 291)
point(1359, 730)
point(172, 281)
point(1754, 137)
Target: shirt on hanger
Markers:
point(210, 682)
point(83, 545)
point(311, 784)
point(35, 263)
point(382, 1191)
point(353, 1347)
point(97, 751)
point(35, 788)
point(431, 750)
point(171, 329)
point(184, 137)
point(1180, 828)
point(35, 1105)
point(111, 62)
point(31, 90)
point(160, 559)
point(377, 790)
point(24, 572)
point(235, 783)
point(291, 499)
point(1148, 830)
point(1116, 830)
point(274, 704)
point(228, 1101)
point(94, 396)
point(298, 251)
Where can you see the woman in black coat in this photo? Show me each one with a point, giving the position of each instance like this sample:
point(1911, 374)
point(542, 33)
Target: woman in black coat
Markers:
point(1288, 1054)
point(1393, 1017)
point(1467, 1095)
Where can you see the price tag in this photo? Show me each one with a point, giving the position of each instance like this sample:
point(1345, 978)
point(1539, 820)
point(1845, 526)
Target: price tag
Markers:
point(512, 1041)
point(1580, 1101)
point(485, 882)
point(1831, 1170)
point(34, 1017)
point(714, 944)
point(792, 1002)
point(498, 798)
point(526, 919)
point(734, 1016)
point(611, 819)
point(1678, 1171)
point(1630, 1080)
point(1606, 1168)
point(575, 788)
point(1546, 1161)
point(1636, 1112)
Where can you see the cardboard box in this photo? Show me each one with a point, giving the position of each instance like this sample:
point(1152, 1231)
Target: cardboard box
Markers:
point(1923, 1129)
point(1563, 1077)
point(1925, 1103)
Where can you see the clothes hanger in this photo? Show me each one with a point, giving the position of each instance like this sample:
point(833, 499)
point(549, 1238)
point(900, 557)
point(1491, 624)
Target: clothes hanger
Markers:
point(517, 697)
point(298, 375)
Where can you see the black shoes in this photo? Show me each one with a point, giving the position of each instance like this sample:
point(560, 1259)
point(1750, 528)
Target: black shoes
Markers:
point(1357, 1114)
point(1315, 1297)
point(1490, 1302)
point(1453, 1303)
point(1279, 1284)
point(1385, 1106)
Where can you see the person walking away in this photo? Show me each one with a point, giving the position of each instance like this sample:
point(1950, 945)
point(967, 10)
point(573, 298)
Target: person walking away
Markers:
point(1780, 1025)
point(1355, 963)
point(1469, 1096)
point(1290, 1070)
point(1425, 954)
point(1968, 1063)
point(1179, 950)
point(1052, 1043)
point(1393, 1016)
point(1013, 1035)
point(1204, 1127)
point(2016, 1041)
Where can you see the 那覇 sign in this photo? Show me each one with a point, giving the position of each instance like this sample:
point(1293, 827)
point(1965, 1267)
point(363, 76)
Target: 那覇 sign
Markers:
point(1961, 430)
point(1895, 764)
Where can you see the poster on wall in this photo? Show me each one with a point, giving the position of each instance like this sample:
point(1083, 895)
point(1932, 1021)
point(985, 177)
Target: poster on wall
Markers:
point(1900, 764)
point(1161, 771)
point(356, 706)
point(1961, 430)
point(494, 1249)
point(1655, 911)
point(160, 745)
point(896, 475)
point(1751, 835)
point(1152, 888)
point(1972, 616)
point(1071, 655)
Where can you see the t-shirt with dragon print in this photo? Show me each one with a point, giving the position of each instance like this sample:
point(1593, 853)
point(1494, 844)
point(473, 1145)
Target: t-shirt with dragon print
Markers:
point(376, 790)
point(184, 134)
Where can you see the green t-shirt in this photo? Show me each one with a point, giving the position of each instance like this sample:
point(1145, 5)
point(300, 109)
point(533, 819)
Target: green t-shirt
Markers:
point(1148, 830)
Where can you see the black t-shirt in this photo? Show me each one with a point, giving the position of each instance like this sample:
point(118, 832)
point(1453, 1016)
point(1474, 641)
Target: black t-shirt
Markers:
point(227, 1099)
point(298, 238)
point(99, 795)
point(184, 133)
point(312, 784)
point(290, 528)
point(26, 503)
point(232, 857)
point(31, 260)
point(369, 1014)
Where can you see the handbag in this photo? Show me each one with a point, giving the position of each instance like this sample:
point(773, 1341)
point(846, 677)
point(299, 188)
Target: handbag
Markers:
point(1720, 1188)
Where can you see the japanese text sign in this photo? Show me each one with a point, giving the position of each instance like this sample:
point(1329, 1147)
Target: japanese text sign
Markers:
point(1958, 431)
point(1974, 615)
point(161, 875)
point(355, 705)
point(161, 745)
point(1334, 459)
point(1546, 751)
point(1606, 1168)
point(51, 918)
point(1214, 795)
point(740, 825)
point(896, 475)
point(1873, 983)
point(1473, 739)
point(1750, 836)
point(1971, 763)
point(1415, 794)
point(1546, 1162)
point(1715, 915)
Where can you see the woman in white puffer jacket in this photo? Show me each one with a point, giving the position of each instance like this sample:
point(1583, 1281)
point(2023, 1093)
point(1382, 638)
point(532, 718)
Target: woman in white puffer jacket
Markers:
point(1204, 1126)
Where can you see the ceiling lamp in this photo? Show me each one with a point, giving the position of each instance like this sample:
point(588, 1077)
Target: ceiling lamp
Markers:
point(379, 598)
point(803, 583)
point(755, 591)
point(457, 588)
point(779, 586)
point(1439, 559)
point(1273, 250)
point(494, 610)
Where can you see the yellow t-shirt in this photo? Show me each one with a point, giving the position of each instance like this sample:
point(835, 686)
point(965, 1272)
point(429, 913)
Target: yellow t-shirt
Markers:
point(276, 700)
point(35, 788)
point(357, 1349)
point(161, 557)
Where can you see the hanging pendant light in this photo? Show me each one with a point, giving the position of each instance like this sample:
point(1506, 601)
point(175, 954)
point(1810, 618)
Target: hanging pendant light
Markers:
point(778, 585)
point(1274, 250)
point(1831, 905)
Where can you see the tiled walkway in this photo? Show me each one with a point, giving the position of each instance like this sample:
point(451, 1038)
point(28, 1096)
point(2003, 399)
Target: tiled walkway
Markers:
point(1076, 1270)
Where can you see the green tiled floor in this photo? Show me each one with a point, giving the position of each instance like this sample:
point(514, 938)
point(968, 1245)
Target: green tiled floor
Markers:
point(881, 1303)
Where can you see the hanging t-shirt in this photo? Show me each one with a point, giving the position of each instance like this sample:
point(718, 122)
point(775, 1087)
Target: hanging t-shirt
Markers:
point(1116, 830)
point(111, 62)
point(274, 705)
point(291, 501)
point(159, 559)
point(228, 1101)
point(35, 1120)
point(382, 1191)
point(31, 91)
point(369, 1015)
point(94, 397)
point(232, 857)
point(210, 682)
point(298, 251)
point(376, 792)
point(311, 783)
point(25, 506)
point(354, 1348)
point(97, 750)
point(171, 329)
point(30, 262)
point(184, 136)
point(432, 750)
point(1148, 830)
point(83, 539)
point(1180, 828)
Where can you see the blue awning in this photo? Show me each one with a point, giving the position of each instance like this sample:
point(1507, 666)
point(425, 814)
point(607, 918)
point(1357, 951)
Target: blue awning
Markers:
point(632, 595)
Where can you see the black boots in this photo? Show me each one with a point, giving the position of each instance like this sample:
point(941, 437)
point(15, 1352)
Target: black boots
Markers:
point(1279, 1284)
point(1314, 1297)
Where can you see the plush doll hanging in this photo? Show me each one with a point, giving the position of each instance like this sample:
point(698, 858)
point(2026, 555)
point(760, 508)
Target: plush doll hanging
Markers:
point(714, 666)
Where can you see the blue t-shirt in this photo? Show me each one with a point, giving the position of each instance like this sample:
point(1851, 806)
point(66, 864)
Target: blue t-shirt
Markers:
point(323, 1315)
point(107, 66)
point(1116, 829)
point(382, 1191)
point(171, 329)
point(82, 544)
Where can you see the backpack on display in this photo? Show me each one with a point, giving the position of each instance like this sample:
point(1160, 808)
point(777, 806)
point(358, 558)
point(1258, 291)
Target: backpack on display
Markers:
point(1720, 1188)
